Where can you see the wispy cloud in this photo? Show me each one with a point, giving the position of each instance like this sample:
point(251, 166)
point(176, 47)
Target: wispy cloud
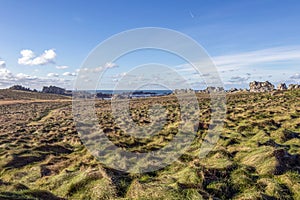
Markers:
point(110, 65)
point(191, 14)
point(238, 79)
point(29, 58)
point(2, 64)
point(100, 68)
point(53, 75)
point(295, 76)
point(237, 61)
point(62, 67)
point(270, 55)
point(69, 74)
point(5, 74)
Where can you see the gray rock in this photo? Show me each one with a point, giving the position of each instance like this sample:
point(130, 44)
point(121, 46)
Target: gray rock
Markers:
point(256, 86)
point(293, 86)
point(53, 90)
point(281, 86)
point(213, 89)
point(19, 87)
point(233, 90)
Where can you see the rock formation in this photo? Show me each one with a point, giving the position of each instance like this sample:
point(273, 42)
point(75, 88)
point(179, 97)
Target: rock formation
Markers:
point(53, 90)
point(256, 86)
point(281, 86)
point(19, 87)
point(213, 89)
point(233, 90)
point(293, 86)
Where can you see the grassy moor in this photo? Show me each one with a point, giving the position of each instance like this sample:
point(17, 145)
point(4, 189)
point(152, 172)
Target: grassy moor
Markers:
point(256, 157)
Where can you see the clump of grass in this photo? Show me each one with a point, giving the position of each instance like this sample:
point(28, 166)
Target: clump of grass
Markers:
point(219, 159)
point(275, 189)
point(249, 194)
point(292, 181)
point(243, 178)
point(220, 189)
point(28, 195)
point(261, 158)
point(153, 191)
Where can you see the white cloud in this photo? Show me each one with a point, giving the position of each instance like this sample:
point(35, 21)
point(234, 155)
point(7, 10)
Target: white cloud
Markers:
point(110, 65)
point(238, 79)
point(2, 64)
point(29, 58)
point(24, 76)
point(5, 74)
point(8, 79)
point(120, 75)
point(53, 75)
point(69, 74)
point(62, 67)
point(86, 70)
point(295, 76)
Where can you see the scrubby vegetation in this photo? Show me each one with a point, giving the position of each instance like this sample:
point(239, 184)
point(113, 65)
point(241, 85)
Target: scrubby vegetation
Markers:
point(257, 156)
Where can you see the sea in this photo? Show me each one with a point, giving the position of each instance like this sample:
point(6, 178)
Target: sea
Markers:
point(137, 93)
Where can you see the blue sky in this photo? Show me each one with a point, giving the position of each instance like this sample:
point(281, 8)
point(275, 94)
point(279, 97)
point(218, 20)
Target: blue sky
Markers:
point(248, 40)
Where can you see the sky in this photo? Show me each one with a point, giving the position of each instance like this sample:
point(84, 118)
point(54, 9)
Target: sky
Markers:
point(46, 43)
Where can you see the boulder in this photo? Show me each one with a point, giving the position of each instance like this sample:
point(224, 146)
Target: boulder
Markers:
point(281, 86)
point(256, 86)
point(233, 90)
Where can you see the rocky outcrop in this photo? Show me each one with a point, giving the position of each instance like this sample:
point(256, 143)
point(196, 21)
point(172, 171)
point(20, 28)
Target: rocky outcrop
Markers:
point(53, 90)
point(213, 89)
point(256, 86)
point(180, 91)
point(281, 86)
point(293, 86)
point(103, 95)
point(19, 87)
point(233, 90)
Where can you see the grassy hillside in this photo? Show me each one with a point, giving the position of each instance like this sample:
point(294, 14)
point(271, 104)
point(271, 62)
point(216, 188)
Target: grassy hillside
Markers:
point(257, 156)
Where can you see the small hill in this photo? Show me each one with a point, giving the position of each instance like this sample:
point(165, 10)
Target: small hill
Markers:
point(20, 87)
point(11, 94)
